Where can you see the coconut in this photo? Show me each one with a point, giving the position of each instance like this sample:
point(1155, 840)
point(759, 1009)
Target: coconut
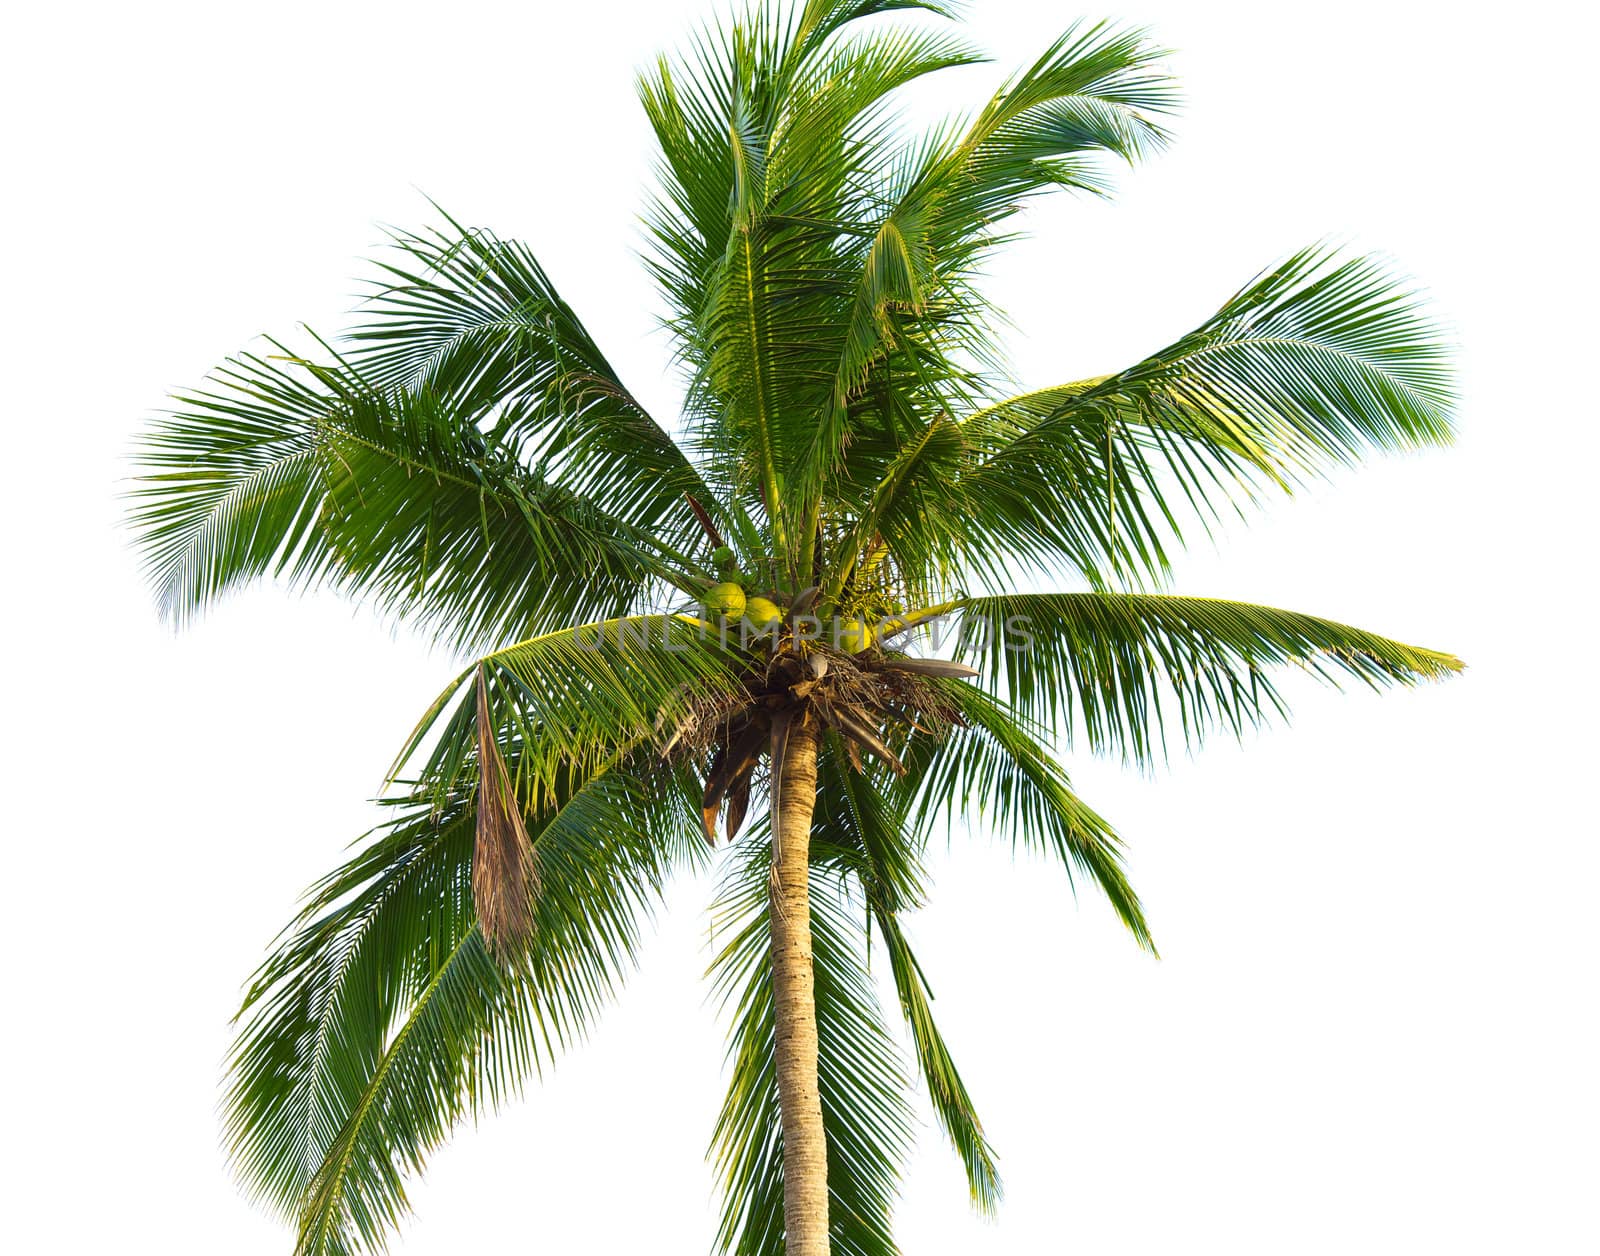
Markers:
point(723, 600)
point(762, 612)
point(852, 635)
point(722, 557)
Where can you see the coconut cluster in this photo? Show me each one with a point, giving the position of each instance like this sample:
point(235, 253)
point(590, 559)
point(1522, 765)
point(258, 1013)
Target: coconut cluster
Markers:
point(731, 599)
point(838, 673)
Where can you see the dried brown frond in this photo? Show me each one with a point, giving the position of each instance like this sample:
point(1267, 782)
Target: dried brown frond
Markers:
point(505, 866)
point(703, 722)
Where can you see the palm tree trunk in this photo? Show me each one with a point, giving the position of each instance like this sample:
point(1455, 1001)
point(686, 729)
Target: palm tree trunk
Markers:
point(805, 1146)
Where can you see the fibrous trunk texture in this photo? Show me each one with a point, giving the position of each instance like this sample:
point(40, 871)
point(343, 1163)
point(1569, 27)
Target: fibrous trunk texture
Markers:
point(805, 1146)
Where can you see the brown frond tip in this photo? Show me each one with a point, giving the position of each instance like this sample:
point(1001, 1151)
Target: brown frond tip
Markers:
point(505, 867)
point(704, 517)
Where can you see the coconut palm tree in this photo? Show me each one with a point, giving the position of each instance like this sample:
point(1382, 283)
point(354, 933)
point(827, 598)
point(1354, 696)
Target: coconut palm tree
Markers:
point(724, 631)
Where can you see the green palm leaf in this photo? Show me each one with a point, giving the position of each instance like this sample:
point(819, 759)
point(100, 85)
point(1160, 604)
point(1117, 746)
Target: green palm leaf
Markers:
point(1000, 770)
point(476, 318)
point(1120, 665)
point(1311, 365)
point(382, 1020)
point(574, 698)
point(322, 475)
point(768, 141)
point(867, 825)
point(1095, 91)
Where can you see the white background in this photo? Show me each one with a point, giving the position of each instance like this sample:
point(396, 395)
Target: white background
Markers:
point(1372, 1029)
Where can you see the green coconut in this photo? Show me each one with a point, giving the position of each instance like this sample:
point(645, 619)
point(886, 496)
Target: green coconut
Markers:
point(762, 612)
point(853, 635)
point(723, 557)
point(723, 600)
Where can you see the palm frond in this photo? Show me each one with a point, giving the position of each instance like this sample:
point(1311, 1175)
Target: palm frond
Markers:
point(1314, 363)
point(505, 866)
point(574, 698)
point(952, 1103)
point(465, 314)
point(868, 823)
point(317, 473)
point(1000, 770)
point(382, 1019)
point(1119, 666)
point(1095, 91)
point(770, 135)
